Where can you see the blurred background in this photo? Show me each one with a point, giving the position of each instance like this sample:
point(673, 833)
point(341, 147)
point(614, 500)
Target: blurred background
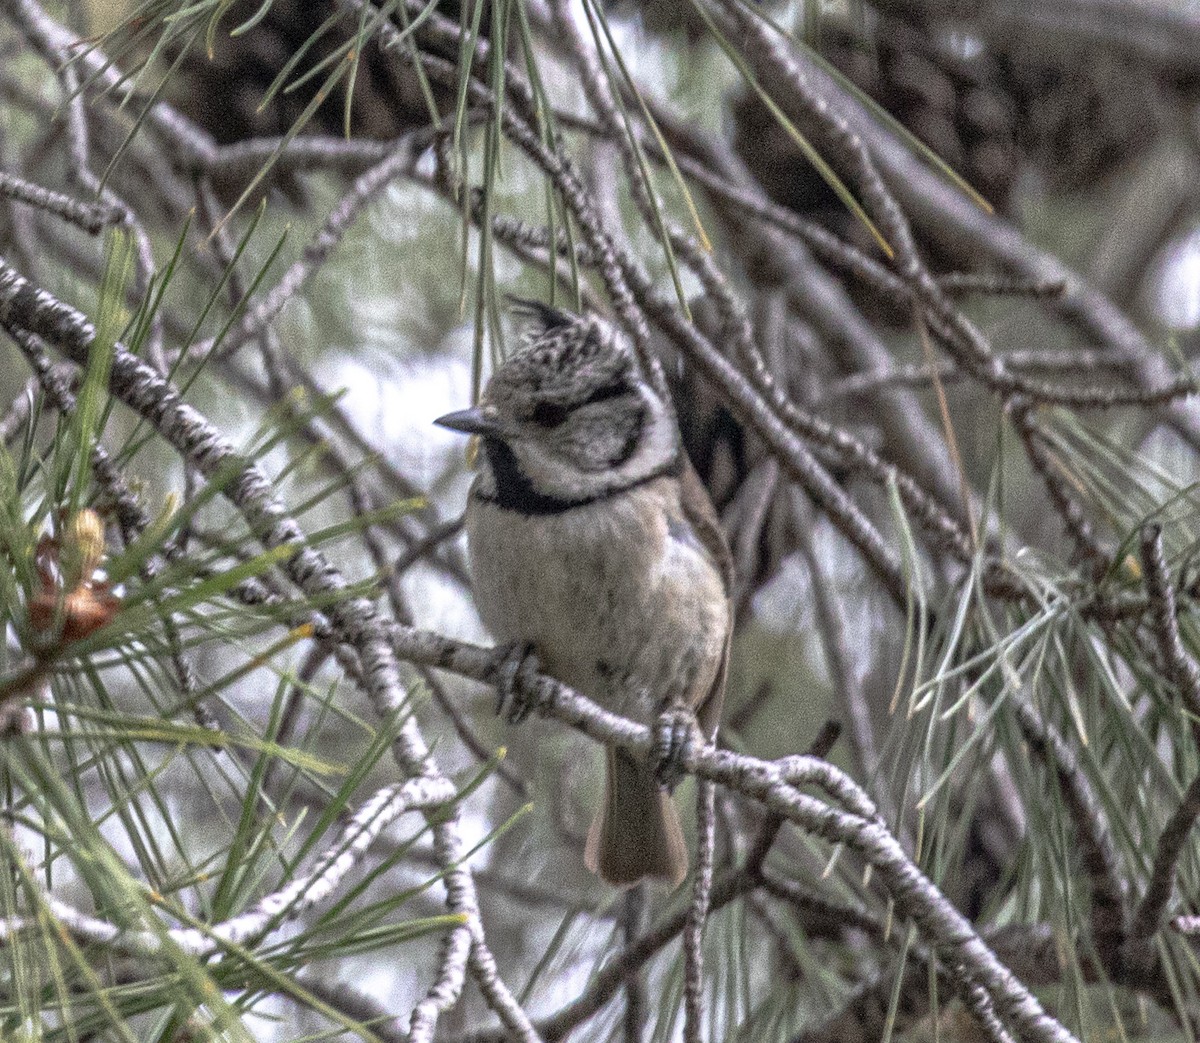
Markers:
point(951, 246)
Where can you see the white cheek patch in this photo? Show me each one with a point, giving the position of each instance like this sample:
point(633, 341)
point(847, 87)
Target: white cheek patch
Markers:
point(550, 471)
point(549, 474)
point(659, 443)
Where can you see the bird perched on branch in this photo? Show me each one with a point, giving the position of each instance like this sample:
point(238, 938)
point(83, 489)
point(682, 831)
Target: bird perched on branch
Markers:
point(596, 553)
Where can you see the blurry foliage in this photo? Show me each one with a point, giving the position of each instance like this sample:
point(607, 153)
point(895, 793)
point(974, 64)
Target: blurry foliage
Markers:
point(195, 752)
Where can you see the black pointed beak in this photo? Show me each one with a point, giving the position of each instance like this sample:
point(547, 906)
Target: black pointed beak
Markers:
point(476, 421)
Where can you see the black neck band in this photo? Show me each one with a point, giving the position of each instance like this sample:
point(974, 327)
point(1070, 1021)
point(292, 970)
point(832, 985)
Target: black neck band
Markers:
point(514, 492)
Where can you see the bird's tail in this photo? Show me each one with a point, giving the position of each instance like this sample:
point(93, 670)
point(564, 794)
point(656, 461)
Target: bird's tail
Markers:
point(636, 832)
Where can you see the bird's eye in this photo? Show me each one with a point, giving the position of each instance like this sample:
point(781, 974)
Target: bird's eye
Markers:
point(549, 414)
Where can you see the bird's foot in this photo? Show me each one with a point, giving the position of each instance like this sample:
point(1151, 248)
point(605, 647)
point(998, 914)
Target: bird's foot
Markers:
point(516, 690)
point(676, 738)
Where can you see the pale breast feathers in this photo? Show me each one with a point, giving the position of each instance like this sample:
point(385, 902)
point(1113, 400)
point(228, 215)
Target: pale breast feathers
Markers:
point(621, 598)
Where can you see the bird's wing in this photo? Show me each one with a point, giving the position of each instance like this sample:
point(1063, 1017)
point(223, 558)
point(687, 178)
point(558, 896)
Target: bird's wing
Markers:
point(702, 517)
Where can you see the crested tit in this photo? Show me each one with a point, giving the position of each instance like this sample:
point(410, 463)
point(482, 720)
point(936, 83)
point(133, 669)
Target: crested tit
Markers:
point(594, 545)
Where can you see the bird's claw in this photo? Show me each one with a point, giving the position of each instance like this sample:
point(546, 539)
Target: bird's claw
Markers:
point(676, 737)
point(516, 690)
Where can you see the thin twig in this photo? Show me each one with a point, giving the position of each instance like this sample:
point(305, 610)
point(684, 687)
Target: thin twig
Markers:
point(93, 218)
point(693, 932)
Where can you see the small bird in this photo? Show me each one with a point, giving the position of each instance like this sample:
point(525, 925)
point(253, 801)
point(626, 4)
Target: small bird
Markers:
point(594, 547)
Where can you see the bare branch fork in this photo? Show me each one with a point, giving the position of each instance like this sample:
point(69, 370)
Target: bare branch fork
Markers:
point(270, 913)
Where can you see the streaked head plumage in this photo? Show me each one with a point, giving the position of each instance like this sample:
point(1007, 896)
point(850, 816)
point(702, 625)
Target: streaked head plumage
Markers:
point(561, 359)
point(568, 416)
